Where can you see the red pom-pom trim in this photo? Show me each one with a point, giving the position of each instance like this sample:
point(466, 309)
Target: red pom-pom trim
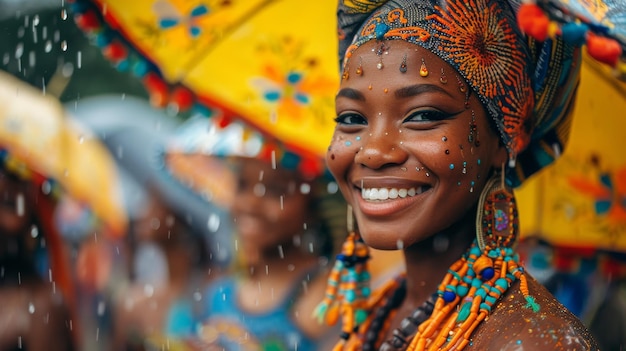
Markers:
point(533, 21)
point(183, 98)
point(603, 49)
point(87, 21)
point(115, 51)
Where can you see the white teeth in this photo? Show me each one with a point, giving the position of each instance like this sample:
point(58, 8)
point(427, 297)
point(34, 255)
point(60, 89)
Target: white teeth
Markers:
point(393, 193)
point(385, 193)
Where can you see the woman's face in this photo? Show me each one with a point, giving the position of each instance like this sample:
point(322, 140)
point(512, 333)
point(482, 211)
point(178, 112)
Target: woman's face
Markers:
point(270, 205)
point(411, 152)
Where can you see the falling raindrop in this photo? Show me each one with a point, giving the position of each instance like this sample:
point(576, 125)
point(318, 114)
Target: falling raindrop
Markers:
point(19, 50)
point(332, 188)
point(64, 14)
point(46, 187)
point(282, 202)
point(273, 159)
point(44, 32)
point(5, 59)
point(169, 221)
point(19, 204)
point(31, 308)
point(120, 152)
point(67, 70)
point(57, 36)
point(34, 231)
point(64, 45)
point(400, 244)
point(48, 46)
point(36, 21)
point(81, 139)
point(291, 267)
point(79, 59)
point(101, 308)
point(281, 253)
point(305, 188)
point(213, 223)
point(31, 59)
point(34, 35)
point(259, 189)
point(19, 342)
point(197, 296)
point(20, 32)
point(148, 290)
point(155, 223)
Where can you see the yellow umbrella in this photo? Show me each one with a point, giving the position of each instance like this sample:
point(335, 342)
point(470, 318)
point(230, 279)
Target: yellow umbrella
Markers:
point(580, 201)
point(272, 63)
point(38, 141)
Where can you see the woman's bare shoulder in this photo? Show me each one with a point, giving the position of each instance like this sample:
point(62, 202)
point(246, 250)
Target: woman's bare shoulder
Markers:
point(514, 326)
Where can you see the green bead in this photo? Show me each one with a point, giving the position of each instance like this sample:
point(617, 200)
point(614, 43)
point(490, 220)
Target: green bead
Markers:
point(465, 311)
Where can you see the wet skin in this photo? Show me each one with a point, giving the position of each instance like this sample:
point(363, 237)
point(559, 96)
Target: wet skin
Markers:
point(402, 130)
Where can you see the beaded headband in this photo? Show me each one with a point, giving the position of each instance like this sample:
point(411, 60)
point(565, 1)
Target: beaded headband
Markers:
point(527, 87)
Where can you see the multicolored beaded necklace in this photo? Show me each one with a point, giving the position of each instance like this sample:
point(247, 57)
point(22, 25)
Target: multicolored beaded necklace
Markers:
point(464, 298)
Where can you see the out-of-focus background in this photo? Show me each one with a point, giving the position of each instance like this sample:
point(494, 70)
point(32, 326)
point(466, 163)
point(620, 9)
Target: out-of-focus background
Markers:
point(126, 269)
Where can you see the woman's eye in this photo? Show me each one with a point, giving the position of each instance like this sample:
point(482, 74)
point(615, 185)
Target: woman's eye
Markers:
point(350, 119)
point(427, 116)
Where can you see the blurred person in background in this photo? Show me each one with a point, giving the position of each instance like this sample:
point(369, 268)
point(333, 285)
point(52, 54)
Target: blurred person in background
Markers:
point(285, 227)
point(36, 291)
point(173, 245)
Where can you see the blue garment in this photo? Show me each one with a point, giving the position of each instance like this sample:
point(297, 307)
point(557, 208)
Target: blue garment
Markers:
point(237, 330)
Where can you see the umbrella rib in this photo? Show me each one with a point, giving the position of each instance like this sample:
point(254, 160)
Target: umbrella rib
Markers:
point(249, 14)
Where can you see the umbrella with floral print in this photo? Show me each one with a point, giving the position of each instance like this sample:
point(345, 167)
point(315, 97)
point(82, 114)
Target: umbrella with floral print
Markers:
point(270, 63)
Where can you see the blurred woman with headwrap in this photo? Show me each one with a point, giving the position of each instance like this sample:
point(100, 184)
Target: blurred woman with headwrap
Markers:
point(443, 107)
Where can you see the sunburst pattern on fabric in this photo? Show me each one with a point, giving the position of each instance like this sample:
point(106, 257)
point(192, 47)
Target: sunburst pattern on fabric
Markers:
point(485, 48)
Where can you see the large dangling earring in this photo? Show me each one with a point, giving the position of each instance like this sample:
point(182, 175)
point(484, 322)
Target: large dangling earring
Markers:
point(480, 277)
point(348, 289)
point(497, 222)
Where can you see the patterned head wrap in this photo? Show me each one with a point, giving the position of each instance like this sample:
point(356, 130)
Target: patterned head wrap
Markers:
point(527, 87)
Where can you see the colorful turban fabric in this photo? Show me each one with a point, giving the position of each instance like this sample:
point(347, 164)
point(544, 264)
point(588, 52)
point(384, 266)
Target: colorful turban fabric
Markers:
point(526, 86)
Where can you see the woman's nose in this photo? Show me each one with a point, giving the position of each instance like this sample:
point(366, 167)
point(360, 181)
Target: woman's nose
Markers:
point(381, 148)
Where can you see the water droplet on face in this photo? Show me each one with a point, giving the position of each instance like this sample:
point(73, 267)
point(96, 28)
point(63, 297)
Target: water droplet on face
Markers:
point(31, 308)
point(197, 296)
point(291, 267)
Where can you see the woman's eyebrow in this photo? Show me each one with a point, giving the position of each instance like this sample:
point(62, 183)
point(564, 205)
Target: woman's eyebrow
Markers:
point(351, 94)
point(420, 89)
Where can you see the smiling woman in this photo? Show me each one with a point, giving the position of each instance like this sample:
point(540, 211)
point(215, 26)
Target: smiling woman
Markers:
point(442, 108)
